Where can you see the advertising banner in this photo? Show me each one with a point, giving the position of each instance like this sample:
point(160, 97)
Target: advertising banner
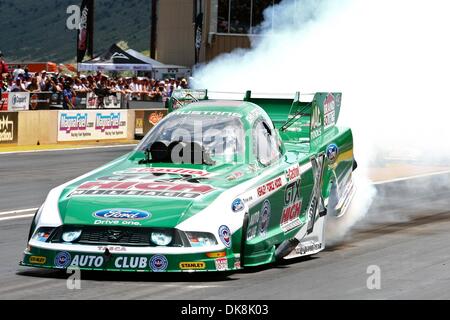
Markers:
point(113, 102)
point(18, 101)
point(91, 102)
point(108, 102)
point(139, 124)
point(151, 118)
point(4, 102)
point(85, 35)
point(146, 120)
point(81, 100)
point(92, 125)
point(56, 101)
point(9, 124)
point(40, 100)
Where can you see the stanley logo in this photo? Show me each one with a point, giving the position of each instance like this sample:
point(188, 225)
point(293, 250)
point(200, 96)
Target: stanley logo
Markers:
point(192, 265)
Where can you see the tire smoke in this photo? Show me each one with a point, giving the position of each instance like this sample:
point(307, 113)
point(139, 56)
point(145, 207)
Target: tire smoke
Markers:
point(389, 58)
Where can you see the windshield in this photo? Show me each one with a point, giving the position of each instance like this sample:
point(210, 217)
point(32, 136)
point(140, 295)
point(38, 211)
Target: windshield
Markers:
point(221, 136)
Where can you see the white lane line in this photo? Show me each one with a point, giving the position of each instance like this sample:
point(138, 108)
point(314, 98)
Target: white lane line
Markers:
point(412, 177)
point(17, 211)
point(69, 149)
point(17, 217)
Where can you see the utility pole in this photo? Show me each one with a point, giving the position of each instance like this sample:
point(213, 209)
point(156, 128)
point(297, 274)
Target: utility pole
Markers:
point(153, 24)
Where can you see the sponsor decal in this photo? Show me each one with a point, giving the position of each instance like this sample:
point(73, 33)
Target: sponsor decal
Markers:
point(305, 248)
point(221, 264)
point(62, 260)
point(270, 187)
point(122, 214)
point(237, 205)
point(264, 218)
point(166, 189)
point(8, 127)
point(253, 226)
point(237, 261)
point(247, 199)
point(69, 123)
point(210, 113)
point(316, 123)
point(332, 153)
point(316, 202)
point(253, 115)
point(85, 261)
point(162, 171)
point(252, 168)
point(159, 263)
point(127, 262)
point(216, 254)
point(293, 173)
point(116, 223)
point(225, 236)
point(113, 249)
point(235, 175)
point(329, 109)
point(38, 260)
point(192, 265)
point(290, 218)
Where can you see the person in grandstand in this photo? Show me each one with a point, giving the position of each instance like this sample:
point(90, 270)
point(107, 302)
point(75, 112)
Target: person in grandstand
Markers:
point(4, 72)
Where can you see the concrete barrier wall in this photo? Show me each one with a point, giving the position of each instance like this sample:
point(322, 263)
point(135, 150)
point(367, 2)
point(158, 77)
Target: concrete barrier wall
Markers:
point(37, 126)
point(41, 126)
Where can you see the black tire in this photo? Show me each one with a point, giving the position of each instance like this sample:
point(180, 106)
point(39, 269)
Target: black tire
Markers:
point(355, 165)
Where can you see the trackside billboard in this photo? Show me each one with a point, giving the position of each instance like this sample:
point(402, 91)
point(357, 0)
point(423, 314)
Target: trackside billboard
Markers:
point(85, 125)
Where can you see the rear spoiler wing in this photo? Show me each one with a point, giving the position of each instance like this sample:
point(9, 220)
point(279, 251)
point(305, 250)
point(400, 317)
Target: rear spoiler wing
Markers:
point(302, 117)
point(306, 116)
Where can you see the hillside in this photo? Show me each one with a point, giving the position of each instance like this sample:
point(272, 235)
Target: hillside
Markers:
point(36, 30)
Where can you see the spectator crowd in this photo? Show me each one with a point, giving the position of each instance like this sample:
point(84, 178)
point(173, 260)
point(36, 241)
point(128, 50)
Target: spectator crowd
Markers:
point(134, 88)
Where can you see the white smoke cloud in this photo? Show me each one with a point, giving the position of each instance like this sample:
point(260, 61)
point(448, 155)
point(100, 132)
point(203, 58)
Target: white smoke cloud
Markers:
point(390, 58)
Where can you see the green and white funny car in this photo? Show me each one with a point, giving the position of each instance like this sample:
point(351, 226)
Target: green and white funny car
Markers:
point(217, 185)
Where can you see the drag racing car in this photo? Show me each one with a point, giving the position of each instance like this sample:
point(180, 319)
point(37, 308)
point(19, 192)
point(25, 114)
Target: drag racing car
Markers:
point(217, 185)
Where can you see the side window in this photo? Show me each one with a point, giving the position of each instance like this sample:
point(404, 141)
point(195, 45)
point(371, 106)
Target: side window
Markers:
point(266, 146)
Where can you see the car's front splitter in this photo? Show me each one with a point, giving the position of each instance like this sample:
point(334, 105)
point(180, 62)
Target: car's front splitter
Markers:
point(121, 261)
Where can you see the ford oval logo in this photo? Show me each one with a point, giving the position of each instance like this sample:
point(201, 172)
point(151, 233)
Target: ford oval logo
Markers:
point(122, 214)
point(237, 205)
